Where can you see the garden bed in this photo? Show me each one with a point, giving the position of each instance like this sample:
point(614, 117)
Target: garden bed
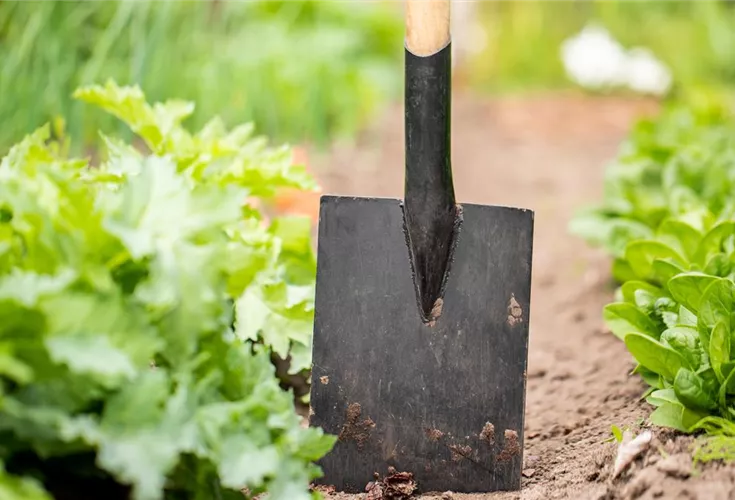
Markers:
point(548, 153)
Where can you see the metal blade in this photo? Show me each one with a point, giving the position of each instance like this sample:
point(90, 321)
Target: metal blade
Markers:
point(445, 402)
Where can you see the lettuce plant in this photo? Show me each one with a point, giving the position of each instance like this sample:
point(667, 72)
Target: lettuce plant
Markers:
point(140, 301)
point(668, 220)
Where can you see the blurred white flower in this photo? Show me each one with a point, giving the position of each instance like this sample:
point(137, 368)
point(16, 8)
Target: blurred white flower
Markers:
point(595, 60)
point(646, 74)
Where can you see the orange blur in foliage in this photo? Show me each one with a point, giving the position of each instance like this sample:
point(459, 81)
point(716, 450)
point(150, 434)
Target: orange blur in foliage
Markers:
point(295, 202)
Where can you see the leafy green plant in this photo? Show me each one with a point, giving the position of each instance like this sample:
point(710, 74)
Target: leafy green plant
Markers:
point(140, 301)
point(303, 70)
point(668, 219)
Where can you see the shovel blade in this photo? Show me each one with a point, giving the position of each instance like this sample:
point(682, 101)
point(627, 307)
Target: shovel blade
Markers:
point(444, 402)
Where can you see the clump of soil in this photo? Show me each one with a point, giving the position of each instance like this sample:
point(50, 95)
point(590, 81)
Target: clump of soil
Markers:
point(395, 486)
point(511, 448)
point(515, 313)
point(354, 429)
point(488, 433)
point(459, 452)
point(434, 434)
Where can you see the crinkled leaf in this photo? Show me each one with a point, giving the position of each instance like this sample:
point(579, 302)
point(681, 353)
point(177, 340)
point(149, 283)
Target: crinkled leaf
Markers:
point(642, 294)
point(685, 341)
point(692, 391)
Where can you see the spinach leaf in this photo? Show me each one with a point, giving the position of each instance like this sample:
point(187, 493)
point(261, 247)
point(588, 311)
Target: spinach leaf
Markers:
point(693, 391)
point(654, 355)
point(623, 318)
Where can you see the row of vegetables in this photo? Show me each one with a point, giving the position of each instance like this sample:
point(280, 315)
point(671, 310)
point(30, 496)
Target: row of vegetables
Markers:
point(668, 221)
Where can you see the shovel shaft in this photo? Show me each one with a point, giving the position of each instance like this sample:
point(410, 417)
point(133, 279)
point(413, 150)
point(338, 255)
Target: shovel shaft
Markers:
point(430, 211)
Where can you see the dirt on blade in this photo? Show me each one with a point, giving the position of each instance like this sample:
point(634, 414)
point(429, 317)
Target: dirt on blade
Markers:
point(547, 153)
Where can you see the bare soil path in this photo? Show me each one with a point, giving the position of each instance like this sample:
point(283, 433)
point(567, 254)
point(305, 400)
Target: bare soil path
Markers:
point(546, 153)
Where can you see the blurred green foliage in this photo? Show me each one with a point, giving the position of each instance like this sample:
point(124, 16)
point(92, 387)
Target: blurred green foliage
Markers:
point(695, 39)
point(303, 70)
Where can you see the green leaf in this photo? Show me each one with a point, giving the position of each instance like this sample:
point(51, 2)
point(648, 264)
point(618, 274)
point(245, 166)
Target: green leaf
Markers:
point(654, 355)
point(617, 433)
point(622, 271)
point(623, 318)
point(686, 317)
point(717, 303)
point(20, 488)
point(680, 236)
point(727, 387)
point(90, 354)
point(718, 265)
point(665, 269)
point(663, 396)
point(688, 288)
point(242, 463)
point(712, 241)
point(651, 378)
point(669, 415)
point(685, 341)
point(642, 294)
point(692, 391)
point(675, 417)
point(642, 253)
point(26, 287)
point(719, 348)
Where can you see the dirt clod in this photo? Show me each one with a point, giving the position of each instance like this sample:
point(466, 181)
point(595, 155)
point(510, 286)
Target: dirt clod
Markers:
point(641, 482)
point(354, 429)
point(511, 448)
point(394, 486)
point(436, 310)
point(488, 433)
point(324, 489)
point(459, 452)
point(374, 490)
point(515, 313)
point(434, 434)
point(447, 495)
point(678, 466)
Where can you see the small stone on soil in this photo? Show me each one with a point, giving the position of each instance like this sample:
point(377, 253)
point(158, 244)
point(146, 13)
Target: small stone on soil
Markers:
point(679, 466)
point(528, 472)
point(641, 482)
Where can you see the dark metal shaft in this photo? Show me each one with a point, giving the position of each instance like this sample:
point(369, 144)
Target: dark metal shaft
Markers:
point(430, 211)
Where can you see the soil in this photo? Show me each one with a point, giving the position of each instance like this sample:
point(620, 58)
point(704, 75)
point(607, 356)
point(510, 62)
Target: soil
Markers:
point(547, 153)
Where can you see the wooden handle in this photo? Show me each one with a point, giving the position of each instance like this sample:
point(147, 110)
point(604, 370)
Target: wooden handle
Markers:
point(427, 26)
